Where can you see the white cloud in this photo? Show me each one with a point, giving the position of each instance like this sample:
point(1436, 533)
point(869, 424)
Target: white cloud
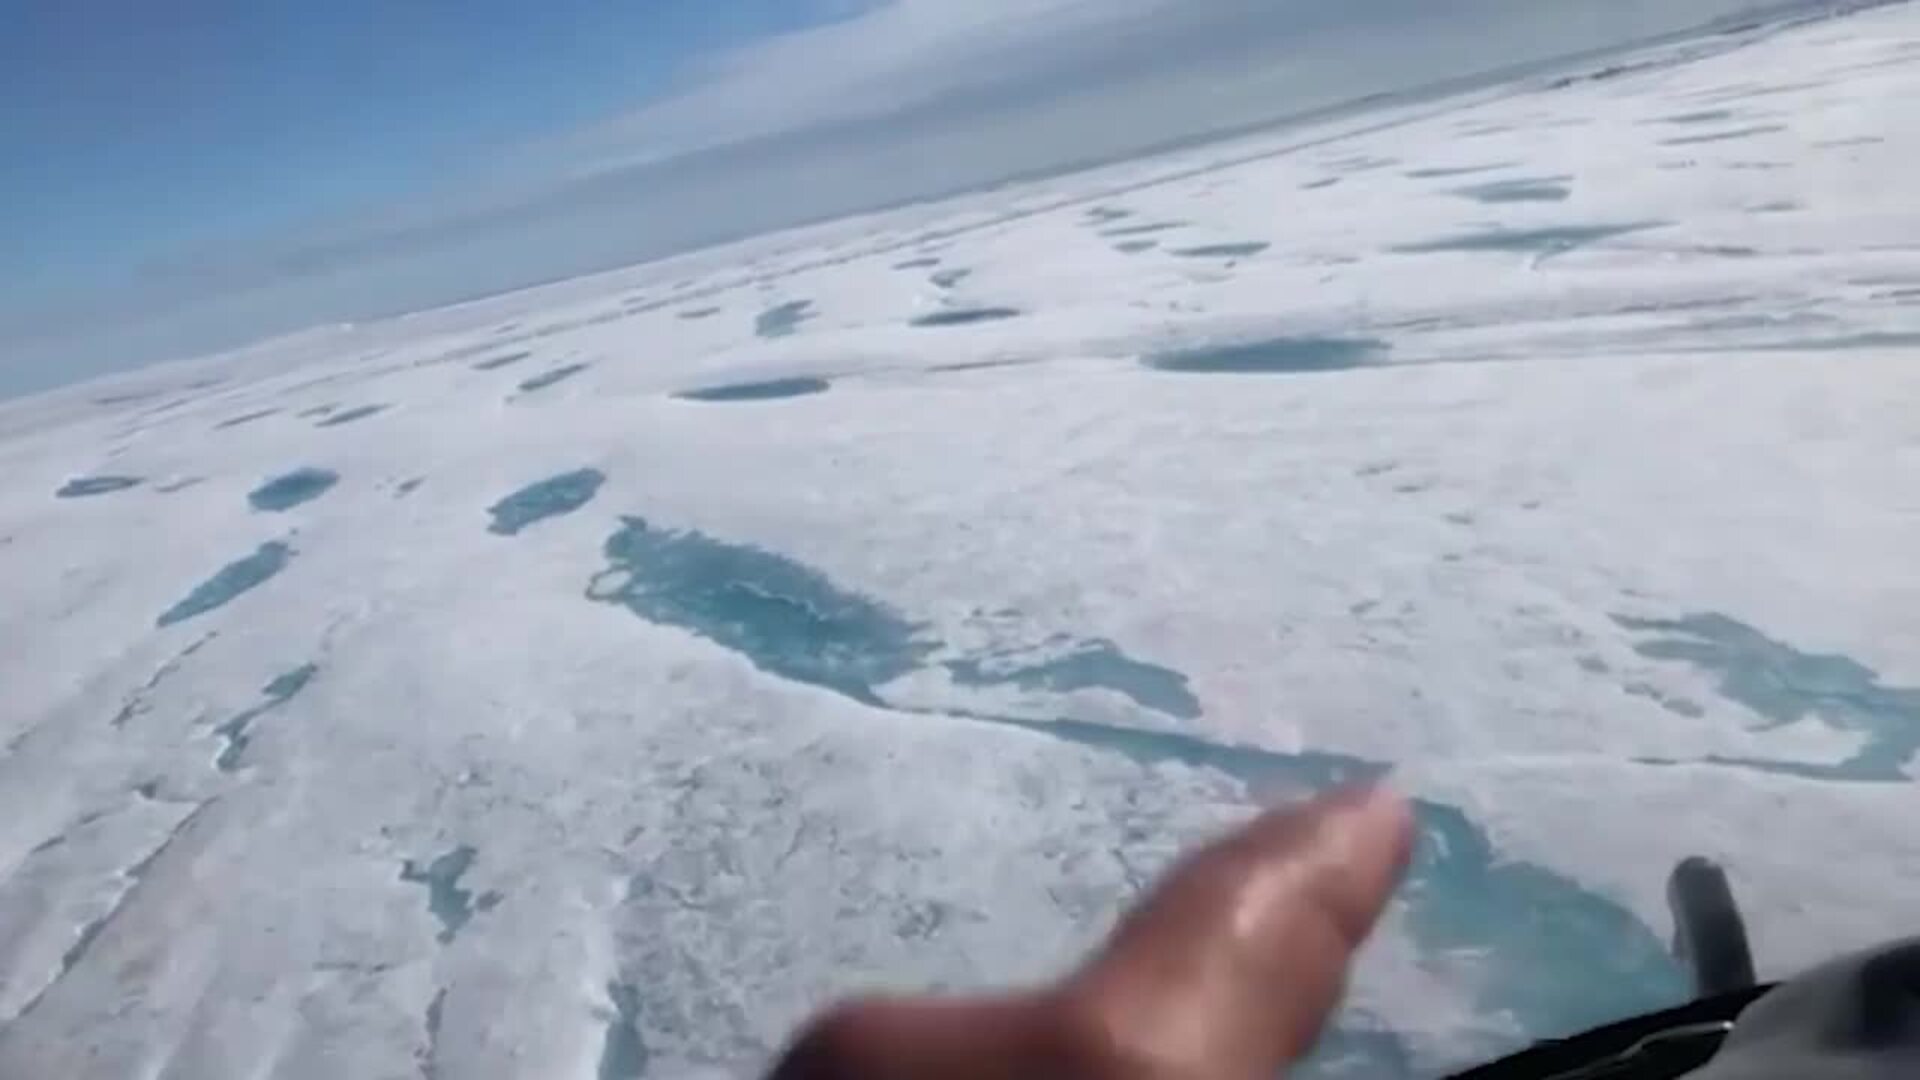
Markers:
point(897, 100)
point(900, 55)
point(908, 56)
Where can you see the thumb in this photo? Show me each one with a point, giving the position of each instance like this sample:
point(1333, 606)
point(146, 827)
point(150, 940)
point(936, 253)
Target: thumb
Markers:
point(1226, 971)
point(1231, 966)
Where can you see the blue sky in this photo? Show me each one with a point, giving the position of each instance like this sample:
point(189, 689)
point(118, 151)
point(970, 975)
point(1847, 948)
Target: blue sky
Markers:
point(133, 131)
point(187, 176)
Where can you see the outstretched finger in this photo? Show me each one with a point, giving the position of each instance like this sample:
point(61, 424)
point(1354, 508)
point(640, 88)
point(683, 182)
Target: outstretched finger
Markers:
point(1234, 962)
point(1228, 969)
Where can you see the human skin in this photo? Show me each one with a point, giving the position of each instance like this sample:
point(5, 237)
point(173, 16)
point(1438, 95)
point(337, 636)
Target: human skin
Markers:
point(1227, 969)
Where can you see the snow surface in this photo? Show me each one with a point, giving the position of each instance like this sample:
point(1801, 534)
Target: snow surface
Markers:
point(675, 649)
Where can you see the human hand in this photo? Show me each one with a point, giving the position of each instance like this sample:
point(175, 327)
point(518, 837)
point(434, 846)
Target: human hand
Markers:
point(1227, 970)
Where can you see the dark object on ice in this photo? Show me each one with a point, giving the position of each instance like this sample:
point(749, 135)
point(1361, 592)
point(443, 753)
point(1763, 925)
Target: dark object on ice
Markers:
point(87, 486)
point(1708, 934)
point(1853, 1018)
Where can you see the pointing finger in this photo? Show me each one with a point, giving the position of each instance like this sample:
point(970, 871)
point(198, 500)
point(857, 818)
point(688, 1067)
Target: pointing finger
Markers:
point(1233, 963)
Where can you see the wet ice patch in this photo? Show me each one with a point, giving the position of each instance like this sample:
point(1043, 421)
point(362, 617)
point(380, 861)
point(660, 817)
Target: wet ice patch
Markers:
point(1143, 230)
point(1554, 240)
point(1519, 190)
point(782, 320)
point(549, 378)
point(555, 496)
point(1135, 247)
point(503, 360)
point(1508, 932)
point(1674, 704)
point(1784, 686)
point(130, 398)
point(768, 390)
point(358, 412)
point(965, 316)
point(1754, 93)
point(428, 1056)
point(230, 582)
point(1703, 116)
point(1723, 136)
point(244, 418)
point(976, 365)
point(623, 1054)
point(289, 490)
point(450, 904)
point(1223, 251)
point(785, 618)
point(1289, 355)
point(1360, 163)
point(88, 486)
point(1253, 766)
point(1088, 665)
point(791, 621)
point(1871, 339)
point(237, 730)
point(1444, 171)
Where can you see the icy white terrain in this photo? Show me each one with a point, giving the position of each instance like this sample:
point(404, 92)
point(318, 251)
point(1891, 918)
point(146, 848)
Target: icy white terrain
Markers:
point(588, 682)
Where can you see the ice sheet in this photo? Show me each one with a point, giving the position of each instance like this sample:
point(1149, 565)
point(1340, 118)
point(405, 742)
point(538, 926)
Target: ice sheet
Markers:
point(771, 623)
